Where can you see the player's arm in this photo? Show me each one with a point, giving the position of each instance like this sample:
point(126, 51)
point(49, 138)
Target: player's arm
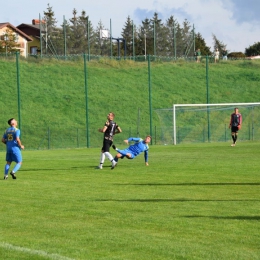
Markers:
point(240, 122)
point(103, 130)
point(3, 140)
point(134, 139)
point(118, 130)
point(230, 122)
point(146, 157)
point(17, 135)
point(19, 143)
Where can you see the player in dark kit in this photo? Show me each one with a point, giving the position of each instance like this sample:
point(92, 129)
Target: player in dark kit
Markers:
point(235, 125)
point(110, 129)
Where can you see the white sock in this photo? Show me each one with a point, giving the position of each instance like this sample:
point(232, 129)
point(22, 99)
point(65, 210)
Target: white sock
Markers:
point(102, 158)
point(109, 156)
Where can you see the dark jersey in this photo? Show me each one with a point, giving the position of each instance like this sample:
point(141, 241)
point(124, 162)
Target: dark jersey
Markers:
point(236, 119)
point(111, 129)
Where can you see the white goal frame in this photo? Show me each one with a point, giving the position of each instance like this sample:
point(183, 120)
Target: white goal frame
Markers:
point(201, 105)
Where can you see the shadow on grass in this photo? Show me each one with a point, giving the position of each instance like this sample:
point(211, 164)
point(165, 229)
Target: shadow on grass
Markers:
point(191, 184)
point(226, 217)
point(173, 200)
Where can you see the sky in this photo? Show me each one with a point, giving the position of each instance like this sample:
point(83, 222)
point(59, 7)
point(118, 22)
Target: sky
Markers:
point(236, 23)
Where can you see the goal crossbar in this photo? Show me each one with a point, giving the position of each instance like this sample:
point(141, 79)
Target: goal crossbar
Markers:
point(205, 105)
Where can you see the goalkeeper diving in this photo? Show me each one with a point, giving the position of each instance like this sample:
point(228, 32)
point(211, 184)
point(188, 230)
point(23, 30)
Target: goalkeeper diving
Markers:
point(140, 145)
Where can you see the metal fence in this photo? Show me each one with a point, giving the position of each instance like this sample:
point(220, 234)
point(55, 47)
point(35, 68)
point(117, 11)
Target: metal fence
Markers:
point(84, 133)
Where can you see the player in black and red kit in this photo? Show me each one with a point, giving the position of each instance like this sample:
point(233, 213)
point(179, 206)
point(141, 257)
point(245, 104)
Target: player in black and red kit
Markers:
point(235, 125)
point(110, 129)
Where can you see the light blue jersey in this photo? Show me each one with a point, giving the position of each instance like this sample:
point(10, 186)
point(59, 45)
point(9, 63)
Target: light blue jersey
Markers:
point(13, 152)
point(135, 149)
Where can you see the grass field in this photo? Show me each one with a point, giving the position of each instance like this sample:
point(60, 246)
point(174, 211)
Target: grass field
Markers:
point(196, 201)
point(53, 98)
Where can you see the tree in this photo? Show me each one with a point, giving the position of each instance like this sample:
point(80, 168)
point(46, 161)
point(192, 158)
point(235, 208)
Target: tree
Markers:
point(127, 35)
point(218, 44)
point(8, 41)
point(101, 46)
point(253, 50)
point(187, 39)
point(79, 32)
point(236, 55)
point(159, 32)
point(171, 32)
point(52, 35)
point(201, 44)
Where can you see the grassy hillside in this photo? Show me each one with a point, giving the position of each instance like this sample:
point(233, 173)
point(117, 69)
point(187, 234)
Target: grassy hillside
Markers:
point(53, 100)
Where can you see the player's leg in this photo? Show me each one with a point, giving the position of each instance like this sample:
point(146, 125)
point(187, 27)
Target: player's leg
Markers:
point(17, 157)
point(107, 144)
point(236, 135)
point(233, 134)
point(118, 155)
point(7, 166)
point(233, 138)
point(102, 159)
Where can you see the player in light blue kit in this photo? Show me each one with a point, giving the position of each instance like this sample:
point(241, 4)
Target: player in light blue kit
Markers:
point(11, 139)
point(135, 149)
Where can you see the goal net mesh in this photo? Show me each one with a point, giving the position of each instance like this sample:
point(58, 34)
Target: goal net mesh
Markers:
point(193, 124)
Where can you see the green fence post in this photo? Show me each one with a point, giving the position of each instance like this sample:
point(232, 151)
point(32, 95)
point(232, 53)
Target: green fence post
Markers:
point(49, 138)
point(207, 85)
point(150, 96)
point(77, 137)
point(64, 35)
point(18, 91)
point(88, 40)
point(225, 132)
point(86, 96)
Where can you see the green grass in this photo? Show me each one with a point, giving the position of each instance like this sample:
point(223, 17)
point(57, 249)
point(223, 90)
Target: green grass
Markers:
point(194, 201)
point(52, 95)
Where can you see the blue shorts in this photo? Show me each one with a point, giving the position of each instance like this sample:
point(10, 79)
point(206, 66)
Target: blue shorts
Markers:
point(14, 156)
point(127, 151)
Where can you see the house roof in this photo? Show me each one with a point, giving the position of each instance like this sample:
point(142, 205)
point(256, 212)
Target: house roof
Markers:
point(27, 37)
point(32, 26)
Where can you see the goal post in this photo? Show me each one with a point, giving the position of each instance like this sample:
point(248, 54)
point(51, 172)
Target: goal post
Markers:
point(193, 123)
point(229, 105)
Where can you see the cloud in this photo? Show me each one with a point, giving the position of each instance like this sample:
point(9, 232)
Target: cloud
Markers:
point(246, 11)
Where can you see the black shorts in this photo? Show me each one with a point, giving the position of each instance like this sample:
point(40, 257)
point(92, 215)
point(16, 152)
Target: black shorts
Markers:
point(106, 145)
point(234, 129)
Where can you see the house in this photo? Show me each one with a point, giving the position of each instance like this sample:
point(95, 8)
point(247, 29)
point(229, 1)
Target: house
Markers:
point(33, 30)
point(21, 38)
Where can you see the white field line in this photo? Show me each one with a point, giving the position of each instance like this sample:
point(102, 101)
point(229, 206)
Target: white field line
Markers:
point(34, 252)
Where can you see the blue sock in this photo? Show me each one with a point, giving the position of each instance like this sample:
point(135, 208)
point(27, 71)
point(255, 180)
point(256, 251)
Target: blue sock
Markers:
point(7, 166)
point(17, 167)
point(116, 159)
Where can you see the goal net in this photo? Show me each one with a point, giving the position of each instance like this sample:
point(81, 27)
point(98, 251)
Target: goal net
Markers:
point(191, 123)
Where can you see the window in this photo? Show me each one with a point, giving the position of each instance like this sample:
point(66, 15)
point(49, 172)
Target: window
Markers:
point(33, 50)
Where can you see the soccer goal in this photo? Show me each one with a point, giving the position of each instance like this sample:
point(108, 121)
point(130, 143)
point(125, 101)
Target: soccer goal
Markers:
point(187, 123)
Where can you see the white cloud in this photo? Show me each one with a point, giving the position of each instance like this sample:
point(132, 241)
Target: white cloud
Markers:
point(234, 22)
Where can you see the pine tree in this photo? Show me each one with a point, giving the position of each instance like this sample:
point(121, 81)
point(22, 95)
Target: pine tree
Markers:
point(218, 44)
point(53, 35)
point(187, 39)
point(78, 32)
point(201, 44)
point(127, 35)
point(159, 32)
point(170, 31)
